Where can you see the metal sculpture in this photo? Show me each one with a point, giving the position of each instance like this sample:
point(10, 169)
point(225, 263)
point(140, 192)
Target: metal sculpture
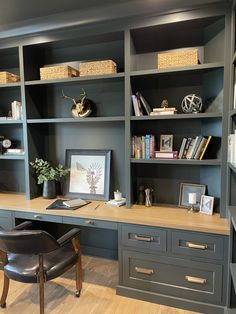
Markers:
point(191, 104)
point(81, 108)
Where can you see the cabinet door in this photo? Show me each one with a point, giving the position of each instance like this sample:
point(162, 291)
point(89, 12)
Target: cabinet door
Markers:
point(6, 221)
point(174, 277)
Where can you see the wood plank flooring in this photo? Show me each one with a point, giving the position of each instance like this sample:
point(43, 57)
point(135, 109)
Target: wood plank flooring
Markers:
point(98, 296)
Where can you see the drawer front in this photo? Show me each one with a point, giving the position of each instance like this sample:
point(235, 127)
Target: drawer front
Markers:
point(144, 237)
point(6, 221)
point(90, 223)
point(38, 216)
point(197, 244)
point(171, 276)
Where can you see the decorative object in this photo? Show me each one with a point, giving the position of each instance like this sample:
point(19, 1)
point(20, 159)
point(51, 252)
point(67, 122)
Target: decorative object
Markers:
point(164, 103)
point(207, 204)
point(166, 143)
point(97, 67)
point(89, 174)
point(191, 104)
point(47, 175)
point(58, 72)
point(141, 195)
point(177, 58)
point(7, 77)
point(192, 200)
point(189, 188)
point(81, 108)
point(148, 197)
point(117, 195)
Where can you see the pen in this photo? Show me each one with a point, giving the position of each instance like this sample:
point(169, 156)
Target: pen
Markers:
point(97, 206)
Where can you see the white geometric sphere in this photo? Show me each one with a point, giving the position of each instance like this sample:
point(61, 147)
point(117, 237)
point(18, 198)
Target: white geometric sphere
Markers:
point(191, 104)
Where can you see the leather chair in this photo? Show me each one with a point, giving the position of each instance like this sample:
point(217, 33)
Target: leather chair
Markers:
point(34, 256)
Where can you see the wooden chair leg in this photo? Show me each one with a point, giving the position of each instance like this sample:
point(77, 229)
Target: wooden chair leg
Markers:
point(4, 291)
point(4, 261)
point(78, 268)
point(41, 284)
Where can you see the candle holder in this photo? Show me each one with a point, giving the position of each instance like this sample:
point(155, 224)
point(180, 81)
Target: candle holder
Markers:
point(192, 201)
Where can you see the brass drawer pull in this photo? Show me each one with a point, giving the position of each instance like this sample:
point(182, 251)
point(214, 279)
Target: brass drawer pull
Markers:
point(145, 271)
point(143, 238)
point(196, 246)
point(196, 280)
point(89, 222)
point(37, 217)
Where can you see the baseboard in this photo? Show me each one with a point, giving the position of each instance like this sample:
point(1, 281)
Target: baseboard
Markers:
point(169, 300)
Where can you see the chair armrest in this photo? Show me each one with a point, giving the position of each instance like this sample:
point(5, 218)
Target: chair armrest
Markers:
point(73, 233)
point(23, 225)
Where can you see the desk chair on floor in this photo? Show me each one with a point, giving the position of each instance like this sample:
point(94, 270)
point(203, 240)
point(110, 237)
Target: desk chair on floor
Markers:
point(34, 256)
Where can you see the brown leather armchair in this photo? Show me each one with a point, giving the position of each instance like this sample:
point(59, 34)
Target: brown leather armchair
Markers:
point(34, 256)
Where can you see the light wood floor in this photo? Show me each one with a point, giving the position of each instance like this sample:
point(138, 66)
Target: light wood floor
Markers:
point(98, 296)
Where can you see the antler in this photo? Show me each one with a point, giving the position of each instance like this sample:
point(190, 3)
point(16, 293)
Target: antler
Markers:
point(68, 97)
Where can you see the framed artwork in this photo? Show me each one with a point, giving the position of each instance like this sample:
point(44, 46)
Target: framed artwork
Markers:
point(185, 189)
point(206, 205)
point(89, 176)
point(166, 143)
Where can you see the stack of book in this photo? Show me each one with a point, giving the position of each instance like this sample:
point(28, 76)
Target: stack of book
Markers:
point(14, 151)
point(116, 203)
point(143, 147)
point(166, 155)
point(194, 148)
point(163, 111)
point(140, 105)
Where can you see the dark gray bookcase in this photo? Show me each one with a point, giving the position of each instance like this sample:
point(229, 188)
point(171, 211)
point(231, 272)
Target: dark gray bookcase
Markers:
point(47, 128)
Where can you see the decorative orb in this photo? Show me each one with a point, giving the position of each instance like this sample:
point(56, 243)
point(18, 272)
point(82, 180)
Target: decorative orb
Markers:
point(191, 104)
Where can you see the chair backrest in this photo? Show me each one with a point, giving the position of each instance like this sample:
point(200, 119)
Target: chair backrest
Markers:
point(27, 242)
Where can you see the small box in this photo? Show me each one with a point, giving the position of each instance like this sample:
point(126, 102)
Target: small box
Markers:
point(177, 58)
point(57, 72)
point(97, 67)
point(7, 77)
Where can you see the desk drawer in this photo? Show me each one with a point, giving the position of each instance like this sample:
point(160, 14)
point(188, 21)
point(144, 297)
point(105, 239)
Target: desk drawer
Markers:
point(144, 237)
point(90, 223)
point(38, 216)
point(171, 276)
point(197, 244)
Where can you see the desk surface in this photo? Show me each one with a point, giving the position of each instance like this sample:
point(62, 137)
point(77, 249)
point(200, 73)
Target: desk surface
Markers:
point(157, 216)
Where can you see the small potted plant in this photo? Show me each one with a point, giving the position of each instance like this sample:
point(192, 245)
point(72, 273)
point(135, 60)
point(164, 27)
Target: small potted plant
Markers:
point(48, 175)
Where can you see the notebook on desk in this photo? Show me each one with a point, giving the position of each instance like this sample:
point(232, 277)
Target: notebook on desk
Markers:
point(58, 204)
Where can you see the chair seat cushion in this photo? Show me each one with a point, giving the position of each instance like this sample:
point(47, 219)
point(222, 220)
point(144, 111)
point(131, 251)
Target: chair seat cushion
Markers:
point(24, 268)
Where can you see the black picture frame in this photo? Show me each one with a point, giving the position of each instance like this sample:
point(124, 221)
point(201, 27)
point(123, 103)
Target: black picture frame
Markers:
point(185, 189)
point(89, 176)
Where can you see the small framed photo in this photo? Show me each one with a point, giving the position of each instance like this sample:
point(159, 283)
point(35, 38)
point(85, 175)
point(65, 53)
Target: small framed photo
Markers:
point(206, 205)
point(166, 143)
point(185, 189)
point(89, 176)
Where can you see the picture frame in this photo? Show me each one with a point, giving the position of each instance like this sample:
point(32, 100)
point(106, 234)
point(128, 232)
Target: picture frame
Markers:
point(207, 205)
point(89, 176)
point(185, 189)
point(166, 143)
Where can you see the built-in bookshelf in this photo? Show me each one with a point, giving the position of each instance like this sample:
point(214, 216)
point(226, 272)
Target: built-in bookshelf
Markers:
point(47, 127)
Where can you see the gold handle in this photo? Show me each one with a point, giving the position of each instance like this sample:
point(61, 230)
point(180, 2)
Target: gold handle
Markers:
point(145, 271)
point(143, 238)
point(89, 222)
point(196, 246)
point(196, 280)
point(37, 217)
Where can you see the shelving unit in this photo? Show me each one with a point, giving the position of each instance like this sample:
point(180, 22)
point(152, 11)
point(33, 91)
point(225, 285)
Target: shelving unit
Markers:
point(48, 129)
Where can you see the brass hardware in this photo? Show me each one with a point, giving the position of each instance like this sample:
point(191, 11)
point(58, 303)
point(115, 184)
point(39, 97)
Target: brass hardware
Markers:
point(37, 217)
point(143, 238)
point(195, 280)
point(196, 246)
point(145, 271)
point(89, 222)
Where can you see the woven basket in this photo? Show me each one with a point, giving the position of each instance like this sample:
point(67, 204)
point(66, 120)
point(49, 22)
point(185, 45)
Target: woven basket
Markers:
point(57, 72)
point(177, 58)
point(97, 67)
point(7, 77)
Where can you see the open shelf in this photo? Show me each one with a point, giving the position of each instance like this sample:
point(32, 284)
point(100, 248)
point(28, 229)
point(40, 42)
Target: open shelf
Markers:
point(207, 162)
